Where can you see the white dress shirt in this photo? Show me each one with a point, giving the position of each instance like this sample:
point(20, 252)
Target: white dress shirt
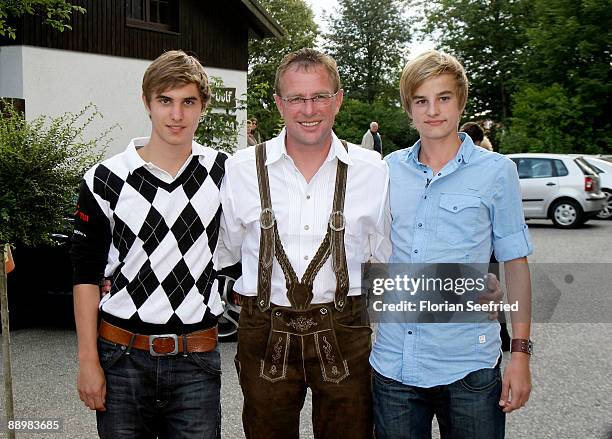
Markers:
point(302, 212)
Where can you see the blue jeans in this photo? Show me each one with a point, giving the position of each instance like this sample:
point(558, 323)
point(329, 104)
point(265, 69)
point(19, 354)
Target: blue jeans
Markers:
point(465, 409)
point(166, 397)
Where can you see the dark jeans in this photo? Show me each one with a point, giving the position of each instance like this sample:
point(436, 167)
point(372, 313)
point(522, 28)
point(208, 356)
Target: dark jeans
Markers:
point(166, 397)
point(340, 381)
point(465, 409)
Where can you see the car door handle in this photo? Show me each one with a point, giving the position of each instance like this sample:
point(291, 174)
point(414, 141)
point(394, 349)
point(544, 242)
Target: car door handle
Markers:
point(551, 184)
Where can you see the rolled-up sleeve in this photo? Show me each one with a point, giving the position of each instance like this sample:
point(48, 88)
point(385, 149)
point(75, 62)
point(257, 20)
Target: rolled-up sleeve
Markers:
point(511, 238)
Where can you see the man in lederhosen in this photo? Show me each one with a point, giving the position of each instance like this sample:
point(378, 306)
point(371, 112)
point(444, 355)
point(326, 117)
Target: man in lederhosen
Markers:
point(296, 214)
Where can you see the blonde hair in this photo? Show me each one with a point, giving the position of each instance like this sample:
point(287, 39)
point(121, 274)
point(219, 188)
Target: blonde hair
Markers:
point(427, 65)
point(306, 59)
point(486, 144)
point(175, 68)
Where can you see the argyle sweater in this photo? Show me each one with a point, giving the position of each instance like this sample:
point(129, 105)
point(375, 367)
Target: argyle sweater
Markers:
point(154, 240)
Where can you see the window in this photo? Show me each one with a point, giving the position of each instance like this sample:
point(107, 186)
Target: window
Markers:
point(534, 168)
point(560, 168)
point(153, 14)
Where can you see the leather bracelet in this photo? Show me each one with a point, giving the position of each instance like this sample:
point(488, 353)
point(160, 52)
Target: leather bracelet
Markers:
point(522, 345)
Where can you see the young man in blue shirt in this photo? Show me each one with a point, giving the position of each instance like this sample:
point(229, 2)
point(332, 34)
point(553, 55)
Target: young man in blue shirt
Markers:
point(451, 202)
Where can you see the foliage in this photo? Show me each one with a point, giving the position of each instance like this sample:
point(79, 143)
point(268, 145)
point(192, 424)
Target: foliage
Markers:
point(41, 164)
point(368, 39)
point(354, 118)
point(541, 70)
point(489, 38)
point(297, 19)
point(218, 128)
point(54, 13)
point(570, 45)
point(542, 121)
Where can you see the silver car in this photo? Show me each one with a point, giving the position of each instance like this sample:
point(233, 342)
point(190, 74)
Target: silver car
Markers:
point(562, 188)
point(603, 166)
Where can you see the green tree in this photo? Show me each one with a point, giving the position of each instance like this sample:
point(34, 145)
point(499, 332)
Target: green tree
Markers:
point(218, 128)
point(297, 19)
point(489, 38)
point(567, 76)
point(368, 39)
point(542, 121)
point(54, 13)
point(355, 116)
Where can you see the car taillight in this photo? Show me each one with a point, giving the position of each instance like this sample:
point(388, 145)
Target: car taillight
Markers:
point(588, 184)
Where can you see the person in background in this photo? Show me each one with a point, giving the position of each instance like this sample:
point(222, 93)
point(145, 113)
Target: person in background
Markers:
point(371, 139)
point(486, 144)
point(251, 139)
point(477, 134)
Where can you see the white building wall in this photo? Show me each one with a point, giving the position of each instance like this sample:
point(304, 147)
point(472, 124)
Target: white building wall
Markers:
point(11, 72)
point(56, 81)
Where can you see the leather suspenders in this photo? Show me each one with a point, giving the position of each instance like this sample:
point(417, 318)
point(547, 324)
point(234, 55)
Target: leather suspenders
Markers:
point(299, 292)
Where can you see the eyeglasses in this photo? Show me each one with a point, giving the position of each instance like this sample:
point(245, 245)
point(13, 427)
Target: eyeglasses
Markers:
point(321, 100)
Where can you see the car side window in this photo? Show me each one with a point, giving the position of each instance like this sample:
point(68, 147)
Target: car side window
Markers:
point(560, 168)
point(523, 168)
point(534, 168)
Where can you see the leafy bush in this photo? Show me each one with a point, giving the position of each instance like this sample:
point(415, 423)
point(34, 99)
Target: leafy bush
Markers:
point(548, 119)
point(41, 164)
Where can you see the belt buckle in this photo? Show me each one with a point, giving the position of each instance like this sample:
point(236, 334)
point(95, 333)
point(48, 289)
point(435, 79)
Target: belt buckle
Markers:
point(152, 339)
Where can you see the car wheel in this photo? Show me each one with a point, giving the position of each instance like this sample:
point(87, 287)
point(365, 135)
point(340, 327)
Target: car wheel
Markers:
point(566, 214)
point(228, 321)
point(606, 212)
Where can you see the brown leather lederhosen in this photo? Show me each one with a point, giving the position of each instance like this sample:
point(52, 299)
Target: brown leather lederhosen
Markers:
point(303, 318)
point(282, 350)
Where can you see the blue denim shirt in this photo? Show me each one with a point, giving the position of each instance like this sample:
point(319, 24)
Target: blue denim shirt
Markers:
point(462, 214)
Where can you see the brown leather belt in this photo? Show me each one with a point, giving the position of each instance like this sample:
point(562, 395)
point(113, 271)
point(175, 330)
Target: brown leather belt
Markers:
point(163, 344)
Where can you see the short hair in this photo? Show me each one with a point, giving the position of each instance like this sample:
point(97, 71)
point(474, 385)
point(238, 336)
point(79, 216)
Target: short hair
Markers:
point(172, 69)
point(474, 130)
point(427, 65)
point(373, 123)
point(308, 59)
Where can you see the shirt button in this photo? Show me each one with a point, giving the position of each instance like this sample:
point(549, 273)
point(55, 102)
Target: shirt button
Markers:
point(410, 332)
point(420, 224)
point(416, 251)
point(306, 257)
point(425, 196)
point(306, 227)
point(424, 172)
point(308, 197)
point(459, 160)
point(439, 173)
point(454, 207)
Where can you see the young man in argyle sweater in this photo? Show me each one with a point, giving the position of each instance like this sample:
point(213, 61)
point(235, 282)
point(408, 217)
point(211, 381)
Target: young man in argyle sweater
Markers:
point(148, 219)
